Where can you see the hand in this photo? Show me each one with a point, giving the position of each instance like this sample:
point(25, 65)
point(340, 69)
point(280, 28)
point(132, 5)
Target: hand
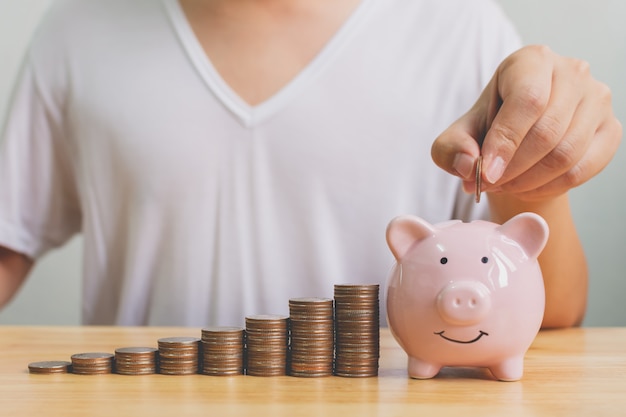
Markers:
point(14, 268)
point(543, 125)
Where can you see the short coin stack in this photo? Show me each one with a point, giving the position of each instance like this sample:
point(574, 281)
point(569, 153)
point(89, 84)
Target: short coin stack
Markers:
point(92, 363)
point(312, 337)
point(357, 333)
point(50, 367)
point(178, 355)
point(136, 360)
point(222, 351)
point(267, 339)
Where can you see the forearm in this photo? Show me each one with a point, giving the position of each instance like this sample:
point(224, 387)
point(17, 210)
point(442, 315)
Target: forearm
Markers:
point(562, 261)
point(14, 268)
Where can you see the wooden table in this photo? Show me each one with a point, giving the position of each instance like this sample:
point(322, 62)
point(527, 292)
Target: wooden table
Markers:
point(567, 373)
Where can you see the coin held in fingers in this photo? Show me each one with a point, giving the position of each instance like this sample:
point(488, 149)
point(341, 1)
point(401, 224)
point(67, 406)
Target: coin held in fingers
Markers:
point(479, 177)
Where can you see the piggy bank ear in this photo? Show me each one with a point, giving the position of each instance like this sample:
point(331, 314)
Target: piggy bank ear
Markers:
point(404, 231)
point(529, 230)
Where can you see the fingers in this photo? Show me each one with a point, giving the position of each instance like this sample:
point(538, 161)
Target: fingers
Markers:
point(507, 110)
point(543, 125)
point(524, 84)
point(561, 150)
point(572, 141)
point(456, 149)
point(545, 137)
point(604, 145)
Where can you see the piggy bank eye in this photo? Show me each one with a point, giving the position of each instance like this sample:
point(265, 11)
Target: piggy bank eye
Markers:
point(443, 260)
point(484, 259)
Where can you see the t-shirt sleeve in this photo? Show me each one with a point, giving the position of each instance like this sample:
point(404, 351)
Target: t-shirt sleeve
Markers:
point(39, 207)
point(499, 39)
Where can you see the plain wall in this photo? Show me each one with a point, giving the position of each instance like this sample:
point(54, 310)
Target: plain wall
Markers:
point(593, 31)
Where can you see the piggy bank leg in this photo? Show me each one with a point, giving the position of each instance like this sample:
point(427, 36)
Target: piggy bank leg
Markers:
point(422, 370)
point(510, 369)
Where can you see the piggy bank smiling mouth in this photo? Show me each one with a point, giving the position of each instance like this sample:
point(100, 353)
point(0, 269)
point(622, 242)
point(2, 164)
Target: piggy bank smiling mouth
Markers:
point(476, 339)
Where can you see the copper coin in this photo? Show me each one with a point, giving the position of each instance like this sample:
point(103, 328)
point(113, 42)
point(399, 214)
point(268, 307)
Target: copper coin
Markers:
point(49, 367)
point(479, 178)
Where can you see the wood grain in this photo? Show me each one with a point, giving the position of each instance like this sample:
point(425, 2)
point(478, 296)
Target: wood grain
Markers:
point(567, 373)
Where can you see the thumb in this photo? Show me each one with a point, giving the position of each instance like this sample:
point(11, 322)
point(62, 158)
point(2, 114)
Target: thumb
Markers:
point(456, 149)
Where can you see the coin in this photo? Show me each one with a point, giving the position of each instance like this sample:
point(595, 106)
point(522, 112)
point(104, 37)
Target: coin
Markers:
point(312, 337)
point(357, 337)
point(92, 363)
point(135, 360)
point(179, 355)
point(267, 338)
point(49, 367)
point(479, 177)
point(223, 351)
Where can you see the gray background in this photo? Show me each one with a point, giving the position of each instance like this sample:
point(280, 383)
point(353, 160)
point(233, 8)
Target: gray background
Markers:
point(593, 31)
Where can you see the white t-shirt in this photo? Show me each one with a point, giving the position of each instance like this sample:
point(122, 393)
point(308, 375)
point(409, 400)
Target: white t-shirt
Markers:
point(197, 208)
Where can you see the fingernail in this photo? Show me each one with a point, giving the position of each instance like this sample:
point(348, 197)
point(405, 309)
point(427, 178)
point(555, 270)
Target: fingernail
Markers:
point(495, 170)
point(463, 164)
point(469, 187)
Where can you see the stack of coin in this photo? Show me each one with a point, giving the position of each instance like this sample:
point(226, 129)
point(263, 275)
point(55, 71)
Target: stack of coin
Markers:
point(136, 360)
point(222, 351)
point(50, 367)
point(312, 337)
point(357, 330)
point(267, 339)
point(179, 355)
point(92, 363)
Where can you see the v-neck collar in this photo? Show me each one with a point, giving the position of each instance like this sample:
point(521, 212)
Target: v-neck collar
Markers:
point(249, 115)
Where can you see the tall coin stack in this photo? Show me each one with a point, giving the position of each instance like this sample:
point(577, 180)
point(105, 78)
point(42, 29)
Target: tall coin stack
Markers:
point(92, 363)
point(357, 330)
point(267, 340)
point(136, 360)
point(222, 351)
point(312, 337)
point(178, 355)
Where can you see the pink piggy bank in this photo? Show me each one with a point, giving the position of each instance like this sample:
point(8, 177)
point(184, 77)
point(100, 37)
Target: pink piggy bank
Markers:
point(466, 294)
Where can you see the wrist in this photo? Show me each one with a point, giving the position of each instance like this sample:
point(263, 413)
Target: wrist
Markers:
point(504, 206)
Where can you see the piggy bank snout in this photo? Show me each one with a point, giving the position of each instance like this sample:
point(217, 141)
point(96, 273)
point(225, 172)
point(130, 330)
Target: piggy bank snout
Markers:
point(464, 303)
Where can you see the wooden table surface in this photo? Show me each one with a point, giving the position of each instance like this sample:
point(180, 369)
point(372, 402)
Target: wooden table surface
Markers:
point(567, 373)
